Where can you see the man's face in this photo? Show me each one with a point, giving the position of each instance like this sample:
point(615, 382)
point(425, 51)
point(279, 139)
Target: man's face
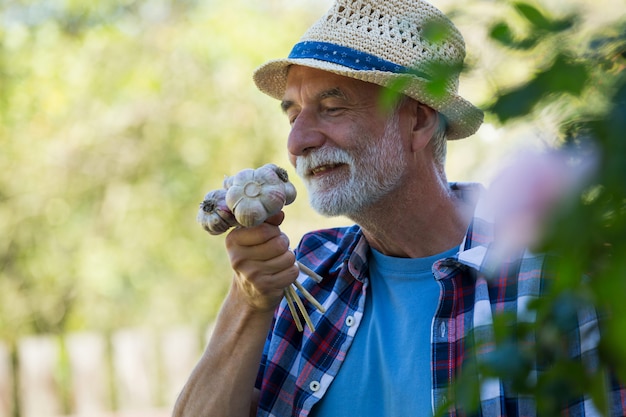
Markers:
point(348, 153)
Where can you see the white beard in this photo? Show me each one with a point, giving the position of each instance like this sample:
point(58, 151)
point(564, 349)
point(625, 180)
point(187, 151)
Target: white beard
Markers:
point(375, 169)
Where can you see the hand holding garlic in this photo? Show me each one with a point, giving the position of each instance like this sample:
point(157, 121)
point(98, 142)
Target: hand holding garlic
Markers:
point(248, 199)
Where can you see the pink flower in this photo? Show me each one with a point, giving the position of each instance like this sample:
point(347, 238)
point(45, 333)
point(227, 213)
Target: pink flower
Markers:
point(526, 195)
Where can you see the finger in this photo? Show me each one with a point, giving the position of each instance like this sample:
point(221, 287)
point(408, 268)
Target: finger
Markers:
point(266, 278)
point(265, 292)
point(264, 282)
point(276, 219)
point(252, 236)
point(261, 250)
point(255, 266)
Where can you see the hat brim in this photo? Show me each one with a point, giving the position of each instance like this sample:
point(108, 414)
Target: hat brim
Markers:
point(463, 118)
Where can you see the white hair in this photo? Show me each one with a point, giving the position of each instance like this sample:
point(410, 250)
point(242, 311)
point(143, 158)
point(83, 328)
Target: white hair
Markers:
point(439, 142)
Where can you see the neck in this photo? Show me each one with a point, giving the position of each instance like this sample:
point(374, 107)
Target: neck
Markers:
point(417, 220)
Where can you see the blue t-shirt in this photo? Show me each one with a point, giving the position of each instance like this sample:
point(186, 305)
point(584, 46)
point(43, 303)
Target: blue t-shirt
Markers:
point(387, 371)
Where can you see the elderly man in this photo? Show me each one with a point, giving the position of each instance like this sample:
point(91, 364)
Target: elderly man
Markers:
point(403, 287)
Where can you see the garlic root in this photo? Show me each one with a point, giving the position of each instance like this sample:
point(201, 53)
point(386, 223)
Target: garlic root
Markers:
point(214, 215)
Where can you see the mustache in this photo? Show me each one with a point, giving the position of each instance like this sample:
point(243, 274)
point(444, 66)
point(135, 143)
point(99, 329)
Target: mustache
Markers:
point(320, 157)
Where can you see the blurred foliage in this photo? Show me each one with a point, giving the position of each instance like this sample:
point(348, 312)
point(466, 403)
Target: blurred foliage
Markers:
point(115, 118)
point(583, 74)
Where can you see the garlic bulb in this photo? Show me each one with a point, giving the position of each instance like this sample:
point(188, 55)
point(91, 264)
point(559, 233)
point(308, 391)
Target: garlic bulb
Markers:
point(255, 195)
point(290, 189)
point(214, 215)
point(247, 198)
point(228, 181)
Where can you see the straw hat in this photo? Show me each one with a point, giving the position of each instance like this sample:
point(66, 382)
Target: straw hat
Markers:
point(379, 41)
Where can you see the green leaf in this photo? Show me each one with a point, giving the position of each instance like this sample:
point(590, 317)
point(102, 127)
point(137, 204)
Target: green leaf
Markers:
point(598, 389)
point(561, 24)
point(540, 21)
point(516, 102)
point(532, 14)
point(501, 33)
point(391, 95)
point(564, 76)
point(436, 31)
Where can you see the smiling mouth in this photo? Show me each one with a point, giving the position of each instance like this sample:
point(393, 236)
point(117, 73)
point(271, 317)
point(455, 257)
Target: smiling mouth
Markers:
point(324, 168)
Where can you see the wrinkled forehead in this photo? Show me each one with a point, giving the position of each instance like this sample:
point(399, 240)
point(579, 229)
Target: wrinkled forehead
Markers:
point(306, 80)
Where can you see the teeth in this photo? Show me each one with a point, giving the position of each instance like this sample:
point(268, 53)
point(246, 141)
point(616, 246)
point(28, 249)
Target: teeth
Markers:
point(323, 168)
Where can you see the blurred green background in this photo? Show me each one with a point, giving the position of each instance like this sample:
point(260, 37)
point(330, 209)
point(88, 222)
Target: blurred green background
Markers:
point(117, 116)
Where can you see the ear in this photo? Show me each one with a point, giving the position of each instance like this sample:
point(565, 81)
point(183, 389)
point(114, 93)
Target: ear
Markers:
point(425, 121)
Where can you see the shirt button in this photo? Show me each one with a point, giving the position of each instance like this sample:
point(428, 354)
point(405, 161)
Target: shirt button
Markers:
point(350, 321)
point(442, 329)
point(314, 386)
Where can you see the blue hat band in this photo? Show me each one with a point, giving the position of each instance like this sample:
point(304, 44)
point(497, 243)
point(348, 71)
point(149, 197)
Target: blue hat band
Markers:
point(347, 57)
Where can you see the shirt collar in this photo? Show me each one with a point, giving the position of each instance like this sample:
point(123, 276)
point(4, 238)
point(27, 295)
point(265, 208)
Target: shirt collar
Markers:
point(473, 247)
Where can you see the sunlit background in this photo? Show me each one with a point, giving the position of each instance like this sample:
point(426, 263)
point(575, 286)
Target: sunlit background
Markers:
point(115, 118)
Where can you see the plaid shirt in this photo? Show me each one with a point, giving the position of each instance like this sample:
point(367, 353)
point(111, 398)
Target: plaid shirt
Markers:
point(297, 368)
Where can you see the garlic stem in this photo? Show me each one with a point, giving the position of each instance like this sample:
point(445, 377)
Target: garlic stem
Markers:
point(309, 272)
point(302, 309)
point(292, 308)
point(309, 297)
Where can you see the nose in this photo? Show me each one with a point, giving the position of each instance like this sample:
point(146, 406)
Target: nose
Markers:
point(305, 134)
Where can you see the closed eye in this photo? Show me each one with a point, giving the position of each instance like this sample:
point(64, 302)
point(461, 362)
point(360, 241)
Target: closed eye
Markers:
point(290, 110)
point(334, 109)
